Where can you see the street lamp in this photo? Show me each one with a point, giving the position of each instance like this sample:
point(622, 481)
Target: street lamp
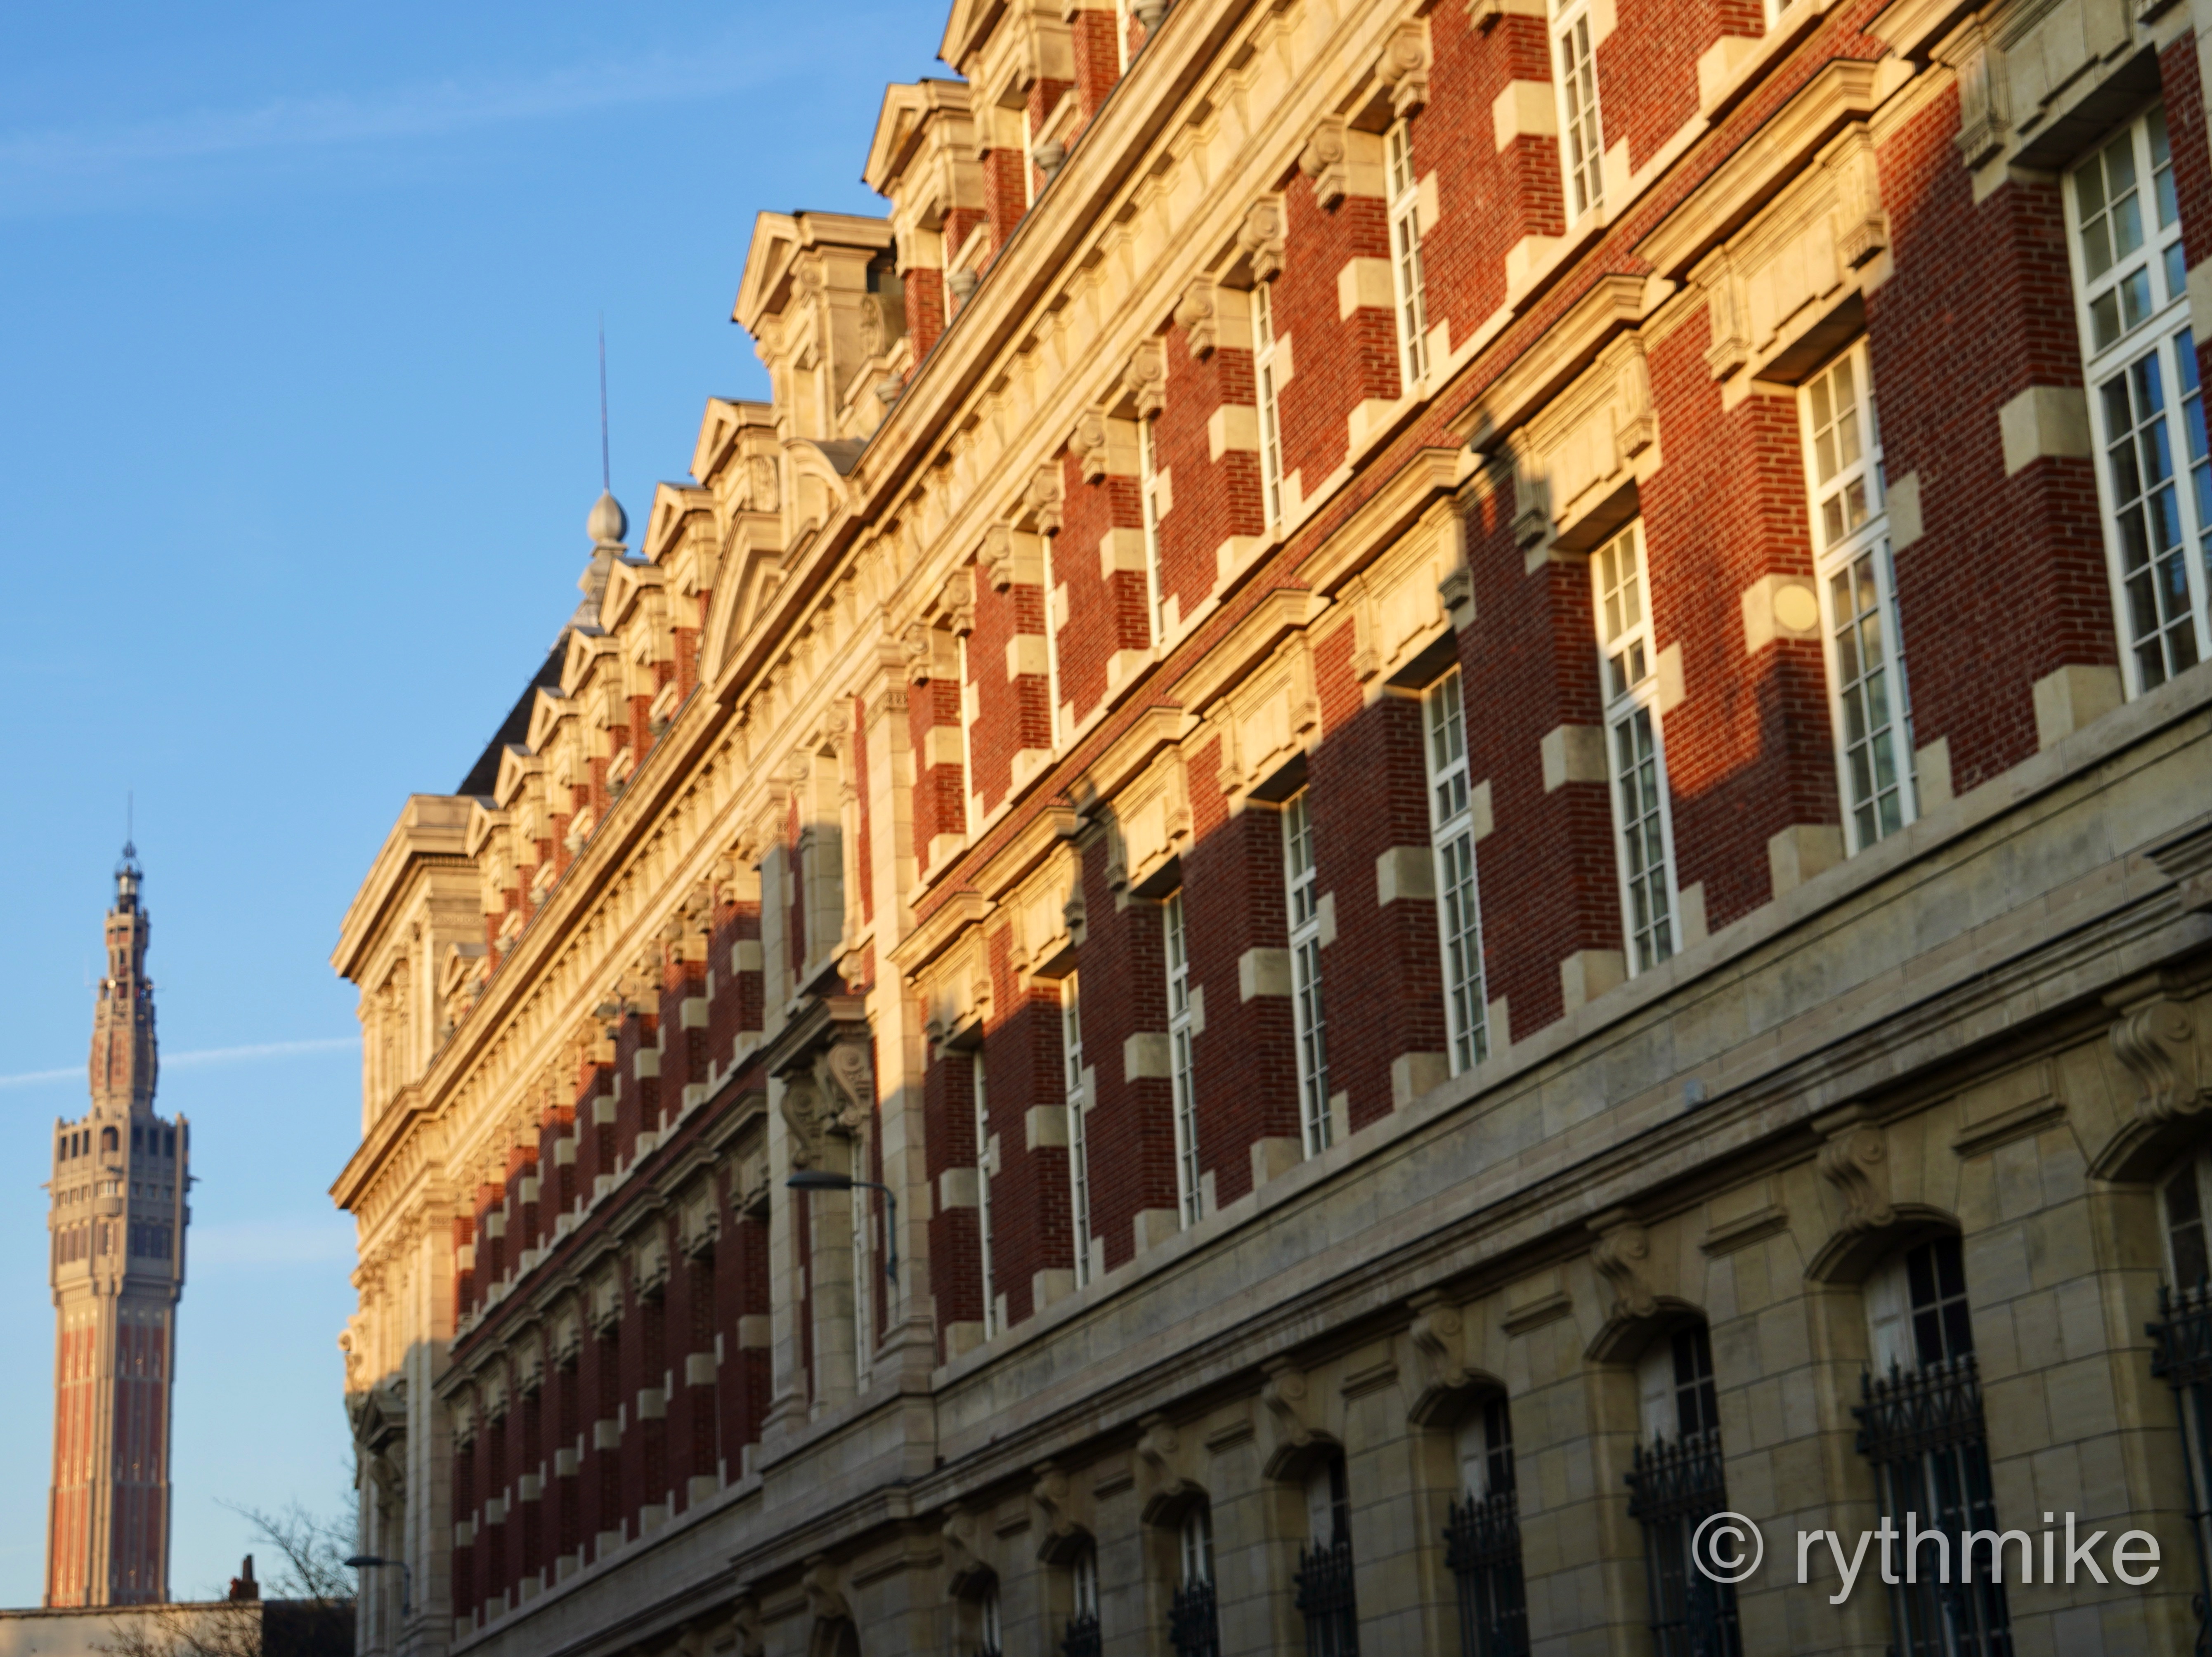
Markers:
point(818, 1180)
point(372, 1562)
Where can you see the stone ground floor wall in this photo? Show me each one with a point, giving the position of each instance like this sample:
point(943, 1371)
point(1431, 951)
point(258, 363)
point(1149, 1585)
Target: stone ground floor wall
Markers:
point(1987, 1042)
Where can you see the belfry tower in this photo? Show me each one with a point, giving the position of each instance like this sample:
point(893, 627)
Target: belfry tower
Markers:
point(117, 1224)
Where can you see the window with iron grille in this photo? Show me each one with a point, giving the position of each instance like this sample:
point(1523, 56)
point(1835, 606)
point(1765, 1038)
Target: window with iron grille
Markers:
point(1324, 1584)
point(1302, 888)
point(1582, 142)
point(1920, 1424)
point(1451, 837)
point(1674, 1483)
point(1636, 757)
point(1194, 1625)
point(1860, 636)
point(1182, 1070)
point(1406, 256)
point(2154, 469)
point(1482, 1540)
point(1083, 1638)
point(2181, 1356)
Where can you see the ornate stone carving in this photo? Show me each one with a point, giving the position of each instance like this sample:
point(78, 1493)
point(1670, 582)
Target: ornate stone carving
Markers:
point(1144, 380)
point(1043, 499)
point(834, 1093)
point(1436, 1334)
point(1621, 1255)
point(2156, 1040)
point(1195, 315)
point(1288, 1407)
point(1323, 161)
point(1403, 69)
point(997, 557)
point(1056, 1522)
point(1087, 443)
point(825, 1595)
point(1856, 1161)
point(1984, 115)
point(1260, 238)
point(1862, 223)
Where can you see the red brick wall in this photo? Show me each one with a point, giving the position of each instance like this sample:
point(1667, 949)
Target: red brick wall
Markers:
point(1012, 713)
point(1029, 1201)
point(1748, 751)
point(1210, 500)
point(937, 789)
point(1104, 614)
point(2010, 582)
point(1489, 199)
point(1382, 977)
point(1337, 362)
point(1243, 1064)
point(955, 1260)
point(1647, 70)
point(1122, 968)
point(1548, 879)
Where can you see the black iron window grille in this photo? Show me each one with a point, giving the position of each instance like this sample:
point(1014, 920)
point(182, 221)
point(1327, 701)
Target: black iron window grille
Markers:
point(2181, 1356)
point(1482, 1546)
point(1671, 1487)
point(1193, 1626)
point(1083, 1638)
point(1325, 1599)
point(1922, 1430)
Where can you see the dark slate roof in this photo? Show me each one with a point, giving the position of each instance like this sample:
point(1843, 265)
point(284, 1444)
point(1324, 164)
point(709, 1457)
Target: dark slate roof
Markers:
point(484, 773)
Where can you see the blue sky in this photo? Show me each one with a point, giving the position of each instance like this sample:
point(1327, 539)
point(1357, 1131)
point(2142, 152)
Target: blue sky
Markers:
point(298, 430)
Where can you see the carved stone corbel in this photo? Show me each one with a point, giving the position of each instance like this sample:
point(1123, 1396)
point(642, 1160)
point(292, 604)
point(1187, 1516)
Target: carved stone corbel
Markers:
point(1856, 1161)
point(1862, 223)
point(1984, 114)
point(1728, 314)
point(1287, 1406)
point(1260, 238)
point(1403, 69)
point(1043, 499)
point(1144, 380)
point(1196, 314)
point(1159, 1468)
point(963, 1564)
point(1323, 161)
point(1087, 443)
point(1435, 1335)
point(825, 1596)
point(2156, 1040)
point(1639, 419)
point(997, 556)
point(1621, 1254)
point(1056, 1522)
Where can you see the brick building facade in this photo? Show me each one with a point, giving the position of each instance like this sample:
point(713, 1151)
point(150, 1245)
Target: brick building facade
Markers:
point(1413, 907)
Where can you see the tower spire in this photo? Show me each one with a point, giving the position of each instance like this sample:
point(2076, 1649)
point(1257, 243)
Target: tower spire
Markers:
point(118, 1268)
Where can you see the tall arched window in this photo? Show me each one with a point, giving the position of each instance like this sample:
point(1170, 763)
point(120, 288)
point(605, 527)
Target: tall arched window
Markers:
point(1482, 1541)
point(1325, 1594)
point(1676, 1484)
point(1920, 1424)
point(1193, 1626)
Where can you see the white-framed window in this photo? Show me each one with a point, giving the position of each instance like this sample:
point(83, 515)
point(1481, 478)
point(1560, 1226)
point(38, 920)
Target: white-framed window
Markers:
point(1079, 1124)
point(1582, 139)
point(1301, 884)
point(1194, 1546)
point(2182, 1203)
point(1406, 256)
point(1636, 761)
point(978, 1084)
point(991, 1623)
point(2139, 350)
point(970, 701)
point(1051, 647)
point(1084, 1575)
point(1485, 1448)
point(1182, 1068)
point(1148, 492)
point(1861, 633)
point(1264, 386)
point(1122, 18)
point(1451, 836)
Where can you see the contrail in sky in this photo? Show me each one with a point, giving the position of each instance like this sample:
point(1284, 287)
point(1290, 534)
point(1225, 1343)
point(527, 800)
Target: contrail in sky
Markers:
point(186, 1060)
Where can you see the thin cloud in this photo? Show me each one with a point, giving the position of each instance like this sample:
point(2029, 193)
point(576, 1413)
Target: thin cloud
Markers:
point(58, 165)
point(189, 1060)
